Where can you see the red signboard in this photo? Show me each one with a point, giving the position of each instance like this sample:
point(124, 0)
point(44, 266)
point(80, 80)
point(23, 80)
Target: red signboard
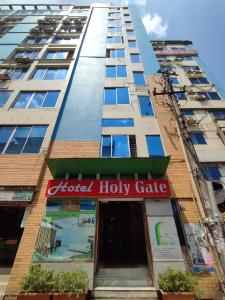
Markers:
point(107, 188)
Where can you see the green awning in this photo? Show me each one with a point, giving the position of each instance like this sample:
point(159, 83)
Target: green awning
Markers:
point(59, 167)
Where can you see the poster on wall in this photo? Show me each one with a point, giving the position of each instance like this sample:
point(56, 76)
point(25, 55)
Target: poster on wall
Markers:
point(164, 239)
point(199, 250)
point(67, 231)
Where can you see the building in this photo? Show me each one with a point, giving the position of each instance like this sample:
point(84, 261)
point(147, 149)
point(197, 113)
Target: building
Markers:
point(86, 178)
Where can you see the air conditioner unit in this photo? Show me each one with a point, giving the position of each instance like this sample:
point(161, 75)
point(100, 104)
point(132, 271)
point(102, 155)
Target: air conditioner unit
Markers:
point(191, 121)
point(200, 97)
point(23, 60)
point(4, 76)
point(198, 73)
point(66, 22)
point(190, 92)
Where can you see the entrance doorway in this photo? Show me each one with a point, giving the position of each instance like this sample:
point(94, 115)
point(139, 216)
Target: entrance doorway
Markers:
point(10, 235)
point(122, 235)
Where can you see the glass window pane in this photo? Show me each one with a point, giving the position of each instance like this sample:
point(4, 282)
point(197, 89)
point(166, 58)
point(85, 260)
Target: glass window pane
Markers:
point(110, 71)
point(5, 133)
point(135, 58)
point(37, 100)
point(117, 39)
point(197, 138)
point(154, 144)
point(120, 146)
point(4, 96)
point(62, 54)
point(121, 71)
point(188, 112)
point(120, 53)
point(212, 173)
point(39, 73)
point(61, 74)
point(117, 122)
point(180, 96)
point(110, 96)
point(18, 140)
point(139, 78)
point(145, 106)
point(122, 96)
point(109, 40)
point(23, 100)
point(35, 139)
point(50, 54)
point(106, 146)
point(50, 74)
point(174, 80)
point(132, 44)
point(214, 96)
point(130, 32)
point(50, 99)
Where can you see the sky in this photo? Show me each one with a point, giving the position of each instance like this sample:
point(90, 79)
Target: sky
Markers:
point(201, 21)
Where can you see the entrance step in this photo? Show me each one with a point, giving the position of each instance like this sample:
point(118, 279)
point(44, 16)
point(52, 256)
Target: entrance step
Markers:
point(124, 293)
point(123, 277)
point(3, 284)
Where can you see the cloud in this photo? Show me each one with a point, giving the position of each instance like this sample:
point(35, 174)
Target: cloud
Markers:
point(135, 2)
point(154, 25)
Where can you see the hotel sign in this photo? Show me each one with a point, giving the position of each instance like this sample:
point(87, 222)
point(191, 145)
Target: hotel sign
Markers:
point(177, 52)
point(16, 196)
point(107, 188)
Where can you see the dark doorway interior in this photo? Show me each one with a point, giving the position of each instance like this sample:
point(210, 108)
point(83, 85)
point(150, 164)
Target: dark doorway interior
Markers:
point(10, 233)
point(122, 235)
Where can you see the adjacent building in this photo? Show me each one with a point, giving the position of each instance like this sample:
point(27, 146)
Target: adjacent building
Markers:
point(93, 168)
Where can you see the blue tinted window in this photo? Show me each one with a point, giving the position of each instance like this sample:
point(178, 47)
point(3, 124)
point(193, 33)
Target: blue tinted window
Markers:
point(139, 78)
point(191, 68)
point(213, 96)
point(123, 96)
point(116, 96)
point(212, 173)
point(50, 54)
point(35, 139)
point(174, 80)
point(4, 96)
point(117, 122)
point(188, 112)
point(219, 114)
point(17, 73)
point(132, 44)
point(135, 58)
point(198, 80)
point(154, 144)
point(61, 74)
point(197, 138)
point(145, 106)
point(5, 134)
point(120, 146)
point(18, 140)
point(180, 96)
point(36, 99)
point(50, 73)
point(114, 29)
point(116, 71)
point(29, 54)
point(39, 73)
point(117, 53)
point(187, 58)
point(21, 139)
point(114, 39)
point(106, 146)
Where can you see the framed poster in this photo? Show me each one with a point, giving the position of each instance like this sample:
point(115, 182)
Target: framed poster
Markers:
point(67, 231)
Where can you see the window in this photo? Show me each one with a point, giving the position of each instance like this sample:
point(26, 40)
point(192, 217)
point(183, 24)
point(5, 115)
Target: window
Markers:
point(59, 54)
point(219, 114)
point(117, 122)
point(16, 73)
point(212, 173)
point(118, 95)
point(198, 80)
point(115, 40)
point(132, 44)
point(168, 69)
point(135, 58)
point(21, 139)
point(178, 48)
point(116, 22)
point(188, 112)
point(154, 144)
point(116, 71)
point(191, 68)
point(114, 29)
point(139, 78)
point(178, 221)
point(197, 138)
point(4, 96)
point(187, 58)
point(145, 106)
point(36, 99)
point(174, 80)
point(118, 146)
point(33, 40)
point(128, 23)
point(180, 96)
point(50, 74)
point(130, 32)
point(115, 53)
point(29, 54)
point(65, 40)
point(210, 95)
point(114, 14)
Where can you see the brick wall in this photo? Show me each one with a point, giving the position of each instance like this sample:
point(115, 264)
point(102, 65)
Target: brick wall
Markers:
point(179, 178)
